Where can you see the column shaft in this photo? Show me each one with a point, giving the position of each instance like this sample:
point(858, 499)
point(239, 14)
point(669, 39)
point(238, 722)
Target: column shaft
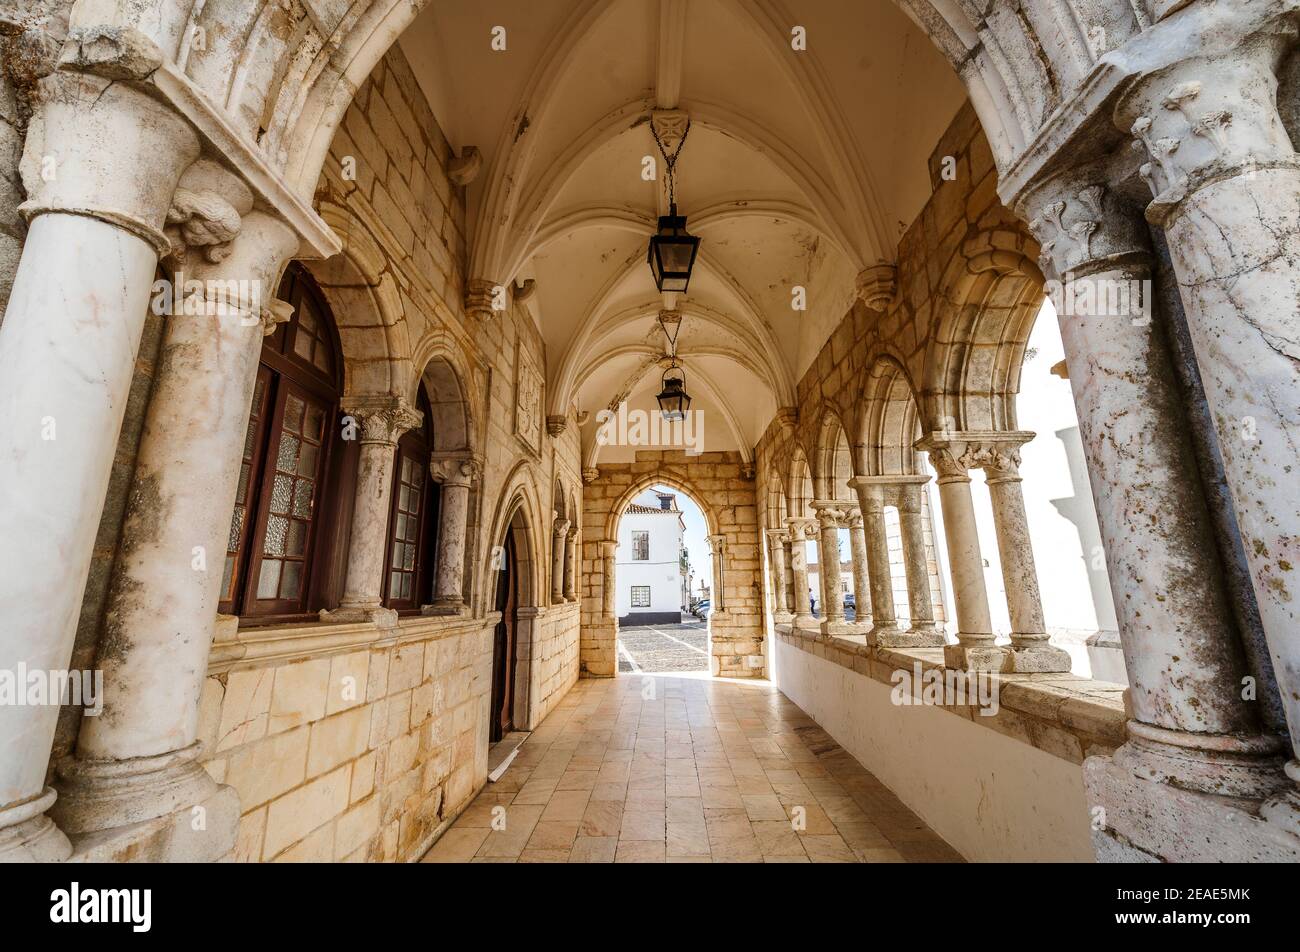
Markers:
point(571, 565)
point(803, 617)
point(558, 533)
point(456, 476)
point(861, 573)
point(923, 631)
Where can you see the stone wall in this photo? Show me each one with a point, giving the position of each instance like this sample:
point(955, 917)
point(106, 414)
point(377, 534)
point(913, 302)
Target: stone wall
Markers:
point(716, 483)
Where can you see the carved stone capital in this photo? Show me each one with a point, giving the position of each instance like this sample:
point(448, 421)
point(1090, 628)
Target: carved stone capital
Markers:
point(590, 474)
point(831, 513)
point(779, 536)
point(1208, 118)
point(383, 418)
point(801, 529)
point(274, 314)
point(463, 169)
point(876, 286)
point(1000, 461)
point(482, 298)
point(561, 528)
point(555, 423)
point(455, 470)
point(954, 455)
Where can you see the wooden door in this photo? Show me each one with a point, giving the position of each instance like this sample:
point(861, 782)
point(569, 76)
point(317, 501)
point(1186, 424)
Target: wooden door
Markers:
point(504, 646)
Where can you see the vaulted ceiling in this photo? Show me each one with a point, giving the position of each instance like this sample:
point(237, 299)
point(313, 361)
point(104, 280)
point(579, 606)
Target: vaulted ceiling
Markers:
point(801, 168)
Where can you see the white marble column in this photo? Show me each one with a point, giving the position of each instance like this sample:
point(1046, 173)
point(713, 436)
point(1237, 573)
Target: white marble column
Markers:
point(800, 529)
point(923, 633)
point(861, 571)
point(1226, 179)
point(778, 539)
point(718, 549)
point(830, 515)
point(975, 649)
point(68, 345)
point(871, 492)
point(456, 476)
point(383, 420)
point(559, 533)
point(1030, 650)
point(137, 760)
point(608, 565)
point(571, 564)
point(1184, 660)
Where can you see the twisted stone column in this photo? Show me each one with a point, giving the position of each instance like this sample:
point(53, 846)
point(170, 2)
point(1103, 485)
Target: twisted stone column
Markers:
point(778, 539)
point(68, 345)
point(923, 633)
point(975, 649)
point(1186, 667)
point(1000, 460)
point(861, 571)
point(571, 564)
point(559, 533)
point(457, 476)
point(383, 420)
point(799, 531)
point(1226, 181)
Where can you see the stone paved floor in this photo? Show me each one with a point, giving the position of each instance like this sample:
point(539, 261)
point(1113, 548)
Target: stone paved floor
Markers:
point(703, 771)
point(683, 647)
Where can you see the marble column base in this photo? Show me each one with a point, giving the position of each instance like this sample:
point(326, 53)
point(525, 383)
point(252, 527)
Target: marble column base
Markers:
point(382, 617)
point(1221, 764)
point(782, 618)
point(443, 608)
point(976, 657)
point(911, 638)
point(1144, 820)
point(1038, 657)
point(1284, 810)
point(97, 795)
point(29, 836)
point(839, 626)
point(172, 838)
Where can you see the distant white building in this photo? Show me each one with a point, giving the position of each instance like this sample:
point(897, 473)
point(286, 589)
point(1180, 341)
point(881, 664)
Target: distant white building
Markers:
point(650, 563)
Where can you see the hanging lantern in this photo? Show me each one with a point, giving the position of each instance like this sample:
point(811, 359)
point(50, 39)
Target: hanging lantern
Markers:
point(674, 401)
point(672, 253)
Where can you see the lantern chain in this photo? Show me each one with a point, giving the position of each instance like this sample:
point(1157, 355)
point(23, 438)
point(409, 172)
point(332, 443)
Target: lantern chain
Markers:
point(671, 160)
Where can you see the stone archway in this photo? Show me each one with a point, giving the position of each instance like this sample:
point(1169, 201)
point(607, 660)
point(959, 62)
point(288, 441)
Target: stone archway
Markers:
point(714, 481)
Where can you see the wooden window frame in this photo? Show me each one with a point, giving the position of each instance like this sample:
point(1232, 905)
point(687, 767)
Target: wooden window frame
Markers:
point(416, 445)
point(636, 548)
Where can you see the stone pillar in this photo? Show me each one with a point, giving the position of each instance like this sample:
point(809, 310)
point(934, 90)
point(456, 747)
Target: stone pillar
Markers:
point(778, 539)
point(1189, 722)
point(799, 530)
point(884, 621)
point(1030, 650)
point(137, 760)
point(830, 514)
point(383, 420)
point(68, 345)
point(1226, 181)
point(457, 475)
point(718, 548)
point(608, 563)
point(559, 535)
point(571, 564)
point(975, 649)
point(789, 576)
point(861, 571)
point(923, 632)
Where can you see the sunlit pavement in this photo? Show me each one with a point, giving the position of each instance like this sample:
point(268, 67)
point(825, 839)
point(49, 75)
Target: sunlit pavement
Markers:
point(683, 647)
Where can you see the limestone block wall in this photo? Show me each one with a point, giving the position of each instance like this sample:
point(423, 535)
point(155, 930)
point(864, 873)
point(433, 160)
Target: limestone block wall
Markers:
point(717, 485)
point(345, 750)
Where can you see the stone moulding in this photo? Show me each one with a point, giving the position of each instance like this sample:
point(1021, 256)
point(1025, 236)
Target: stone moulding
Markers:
point(276, 645)
point(1060, 714)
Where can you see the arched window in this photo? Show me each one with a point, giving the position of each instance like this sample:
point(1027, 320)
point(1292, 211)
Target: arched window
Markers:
point(413, 520)
point(274, 565)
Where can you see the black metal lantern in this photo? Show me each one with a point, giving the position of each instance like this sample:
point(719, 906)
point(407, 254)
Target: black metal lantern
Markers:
point(672, 253)
point(674, 401)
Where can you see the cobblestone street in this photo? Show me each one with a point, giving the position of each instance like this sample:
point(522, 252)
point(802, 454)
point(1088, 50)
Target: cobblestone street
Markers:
point(683, 647)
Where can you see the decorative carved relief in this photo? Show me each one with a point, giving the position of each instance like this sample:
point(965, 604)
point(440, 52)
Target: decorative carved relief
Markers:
point(528, 400)
point(201, 220)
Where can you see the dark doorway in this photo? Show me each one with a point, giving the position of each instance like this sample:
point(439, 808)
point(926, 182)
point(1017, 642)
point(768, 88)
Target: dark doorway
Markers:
point(505, 644)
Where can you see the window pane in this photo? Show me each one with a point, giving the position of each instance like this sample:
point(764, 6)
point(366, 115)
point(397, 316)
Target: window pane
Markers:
point(268, 582)
point(292, 414)
point(395, 584)
point(302, 498)
point(280, 493)
point(241, 494)
point(303, 343)
point(408, 560)
point(287, 459)
point(406, 586)
point(401, 525)
point(307, 456)
point(236, 529)
point(314, 423)
point(297, 538)
point(292, 580)
point(277, 527)
point(226, 575)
